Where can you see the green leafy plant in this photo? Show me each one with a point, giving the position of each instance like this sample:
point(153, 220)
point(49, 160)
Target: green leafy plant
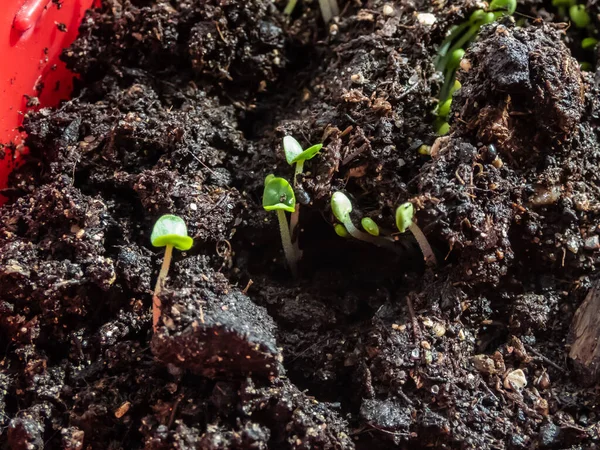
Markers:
point(405, 221)
point(341, 208)
point(370, 226)
point(170, 232)
point(294, 154)
point(340, 230)
point(589, 43)
point(279, 196)
point(579, 16)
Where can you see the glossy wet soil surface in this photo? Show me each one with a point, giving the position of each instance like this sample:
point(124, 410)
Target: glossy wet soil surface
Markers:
point(181, 109)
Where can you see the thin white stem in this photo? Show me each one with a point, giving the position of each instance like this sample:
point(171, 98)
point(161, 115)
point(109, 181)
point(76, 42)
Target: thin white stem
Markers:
point(298, 171)
point(286, 242)
point(160, 281)
point(326, 10)
point(335, 10)
point(428, 254)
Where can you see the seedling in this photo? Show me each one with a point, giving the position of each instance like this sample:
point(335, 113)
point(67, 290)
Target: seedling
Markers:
point(404, 221)
point(341, 208)
point(289, 8)
point(370, 226)
point(340, 230)
point(279, 196)
point(170, 232)
point(579, 16)
point(589, 43)
point(295, 155)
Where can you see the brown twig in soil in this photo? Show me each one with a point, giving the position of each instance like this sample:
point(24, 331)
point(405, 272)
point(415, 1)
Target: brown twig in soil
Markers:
point(202, 163)
point(220, 34)
point(245, 290)
point(173, 411)
point(415, 323)
point(544, 358)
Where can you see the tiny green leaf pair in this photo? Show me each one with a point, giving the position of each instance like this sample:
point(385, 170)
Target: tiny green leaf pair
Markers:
point(170, 232)
point(279, 196)
point(294, 152)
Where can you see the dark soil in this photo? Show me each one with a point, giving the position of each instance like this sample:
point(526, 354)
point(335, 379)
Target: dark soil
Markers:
point(181, 108)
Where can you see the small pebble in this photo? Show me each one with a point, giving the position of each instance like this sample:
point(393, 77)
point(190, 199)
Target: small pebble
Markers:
point(515, 380)
point(592, 243)
point(439, 330)
point(426, 18)
point(358, 78)
point(388, 10)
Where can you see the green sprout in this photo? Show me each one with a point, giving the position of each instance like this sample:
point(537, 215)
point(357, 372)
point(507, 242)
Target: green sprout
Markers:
point(170, 232)
point(294, 154)
point(589, 43)
point(579, 16)
point(370, 226)
point(502, 7)
point(563, 3)
point(279, 196)
point(289, 8)
point(340, 230)
point(341, 208)
point(404, 221)
point(563, 6)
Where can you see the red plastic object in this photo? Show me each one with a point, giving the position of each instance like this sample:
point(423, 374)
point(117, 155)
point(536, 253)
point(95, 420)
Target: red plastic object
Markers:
point(32, 36)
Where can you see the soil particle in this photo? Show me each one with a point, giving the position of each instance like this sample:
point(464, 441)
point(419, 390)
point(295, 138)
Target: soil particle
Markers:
point(521, 78)
point(216, 333)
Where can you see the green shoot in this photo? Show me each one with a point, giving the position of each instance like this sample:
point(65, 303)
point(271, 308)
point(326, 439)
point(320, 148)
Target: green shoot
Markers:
point(341, 208)
point(295, 155)
point(589, 43)
point(404, 221)
point(340, 230)
point(579, 16)
point(563, 3)
point(563, 6)
point(279, 196)
point(503, 7)
point(289, 8)
point(170, 232)
point(370, 226)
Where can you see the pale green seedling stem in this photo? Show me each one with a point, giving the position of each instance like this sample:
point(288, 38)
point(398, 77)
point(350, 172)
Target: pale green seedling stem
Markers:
point(160, 281)
point(286, 241)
